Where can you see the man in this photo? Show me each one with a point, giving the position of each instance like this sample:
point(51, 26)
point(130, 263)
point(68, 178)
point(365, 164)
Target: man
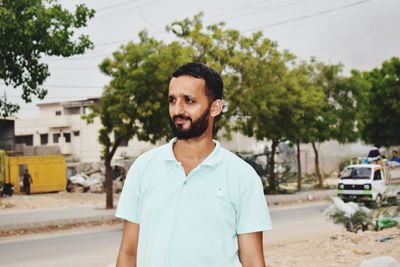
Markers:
point(394, 156)
point(27, 180)
point(191, 203)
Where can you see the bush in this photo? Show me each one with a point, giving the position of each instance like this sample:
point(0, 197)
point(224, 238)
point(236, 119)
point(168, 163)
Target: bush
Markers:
point(359, 220)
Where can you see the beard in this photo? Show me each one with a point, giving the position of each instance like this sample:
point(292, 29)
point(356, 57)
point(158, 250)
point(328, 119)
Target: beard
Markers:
point(196, 129)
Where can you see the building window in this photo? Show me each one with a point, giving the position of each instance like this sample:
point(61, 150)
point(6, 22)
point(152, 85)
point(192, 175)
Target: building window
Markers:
point(58, 112)
point(86, 110)
point(24, 139)
point(67, 137)
point(44, 139)
point(76, 133)
point(56, 138)
point(72, 111)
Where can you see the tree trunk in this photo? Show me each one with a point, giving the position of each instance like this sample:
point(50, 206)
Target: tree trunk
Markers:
point(109, 182)
point(109, 173)
point(317, 170)
point(299, 178)
point(272, 184)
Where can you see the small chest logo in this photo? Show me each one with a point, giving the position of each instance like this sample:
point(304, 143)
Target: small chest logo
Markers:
point(220, 192)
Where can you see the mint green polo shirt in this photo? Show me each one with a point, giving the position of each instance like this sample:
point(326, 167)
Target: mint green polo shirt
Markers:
point(193, 220)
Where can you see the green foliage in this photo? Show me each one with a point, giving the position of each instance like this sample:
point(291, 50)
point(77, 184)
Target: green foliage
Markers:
point(134, 103)
point(359, 220)
point(30, 29)
point(345, 99)
point(383, 113)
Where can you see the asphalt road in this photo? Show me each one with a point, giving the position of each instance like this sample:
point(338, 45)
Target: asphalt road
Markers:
point(98, 248)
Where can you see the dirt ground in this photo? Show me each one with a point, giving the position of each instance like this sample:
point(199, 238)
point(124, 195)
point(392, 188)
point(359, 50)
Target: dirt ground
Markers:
point(342, 249)
point(52, 200)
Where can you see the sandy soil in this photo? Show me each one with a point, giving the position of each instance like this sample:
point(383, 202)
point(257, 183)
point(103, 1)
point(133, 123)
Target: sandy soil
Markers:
point(342, 249)
point(52, 200)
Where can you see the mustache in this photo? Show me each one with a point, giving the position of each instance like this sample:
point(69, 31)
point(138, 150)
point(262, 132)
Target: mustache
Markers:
point(181, 116)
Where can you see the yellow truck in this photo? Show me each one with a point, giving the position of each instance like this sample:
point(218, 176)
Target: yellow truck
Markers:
point(48, 172)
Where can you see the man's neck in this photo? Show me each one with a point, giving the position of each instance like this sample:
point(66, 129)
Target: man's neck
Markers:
point(193, 151)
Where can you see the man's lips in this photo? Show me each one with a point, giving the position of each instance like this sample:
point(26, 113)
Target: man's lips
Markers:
point(179, 119)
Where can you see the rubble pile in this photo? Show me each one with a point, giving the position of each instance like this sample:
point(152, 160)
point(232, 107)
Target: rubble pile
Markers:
point(90, 177)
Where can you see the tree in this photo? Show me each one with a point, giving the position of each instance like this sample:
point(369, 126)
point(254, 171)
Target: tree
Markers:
point(134, 103)
point(265, 98)
point(382, 115)
point(310, 103)
point(30, 29)
point(340, 117)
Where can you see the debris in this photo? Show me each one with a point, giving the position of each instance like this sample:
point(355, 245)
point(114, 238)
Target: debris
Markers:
point(350, 215)
point(363, 253)
point(383, 261)
point(386, 238)
point(386, 223)
point(81, 182)
point(90, 177)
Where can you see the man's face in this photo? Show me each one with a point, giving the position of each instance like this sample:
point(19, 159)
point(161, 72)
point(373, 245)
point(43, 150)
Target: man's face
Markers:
point(394, 154)
point(189, 107)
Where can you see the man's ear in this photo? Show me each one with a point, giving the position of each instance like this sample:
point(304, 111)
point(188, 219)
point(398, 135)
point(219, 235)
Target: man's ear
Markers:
point(216, 107)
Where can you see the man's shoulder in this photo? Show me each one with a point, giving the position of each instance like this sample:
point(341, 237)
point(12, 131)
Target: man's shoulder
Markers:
point(235, 162)
point(153, 155)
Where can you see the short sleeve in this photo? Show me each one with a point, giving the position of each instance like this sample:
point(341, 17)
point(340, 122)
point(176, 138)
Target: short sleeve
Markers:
point(253, 214)
point(129, 201)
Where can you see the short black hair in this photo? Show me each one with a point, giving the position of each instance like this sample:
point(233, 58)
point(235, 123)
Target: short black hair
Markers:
point(214, 84)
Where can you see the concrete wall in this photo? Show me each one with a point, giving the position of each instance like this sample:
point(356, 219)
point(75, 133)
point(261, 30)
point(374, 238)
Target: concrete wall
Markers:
point(331, 154)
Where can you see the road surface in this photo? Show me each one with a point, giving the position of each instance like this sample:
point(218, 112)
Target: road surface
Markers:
point(99, 247)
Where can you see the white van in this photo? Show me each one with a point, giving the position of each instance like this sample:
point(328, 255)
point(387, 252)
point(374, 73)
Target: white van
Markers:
point(370, 183)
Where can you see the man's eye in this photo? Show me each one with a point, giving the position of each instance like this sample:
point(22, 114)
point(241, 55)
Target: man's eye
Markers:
point(189, 100)
point(171, 100)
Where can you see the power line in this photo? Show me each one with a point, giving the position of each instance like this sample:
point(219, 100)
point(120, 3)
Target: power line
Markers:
point(124, 10)
point(128, 39)
point(218, 16)
point(247, 30)
point(69, 86)
point(52, 97)
point(117, 5)
point(264, 10)
point(164, 31)
point(75, 69)
point(146, 20)
point(307, 16)
point(73, 86)
point(252, 6)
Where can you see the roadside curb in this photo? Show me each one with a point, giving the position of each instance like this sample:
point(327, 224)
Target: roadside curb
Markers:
point(66, 223)
point(273, 200)
point(12, 229)
point(55, 222)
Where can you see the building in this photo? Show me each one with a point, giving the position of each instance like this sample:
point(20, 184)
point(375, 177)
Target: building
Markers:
point(60, 125)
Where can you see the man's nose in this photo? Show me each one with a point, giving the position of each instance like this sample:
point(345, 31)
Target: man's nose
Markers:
point(178, 107)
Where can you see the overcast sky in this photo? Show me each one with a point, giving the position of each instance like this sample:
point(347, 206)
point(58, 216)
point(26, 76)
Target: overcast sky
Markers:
point(359, 34)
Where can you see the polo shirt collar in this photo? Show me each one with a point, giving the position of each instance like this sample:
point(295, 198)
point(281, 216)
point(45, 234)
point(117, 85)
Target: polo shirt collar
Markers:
point(212, 160)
